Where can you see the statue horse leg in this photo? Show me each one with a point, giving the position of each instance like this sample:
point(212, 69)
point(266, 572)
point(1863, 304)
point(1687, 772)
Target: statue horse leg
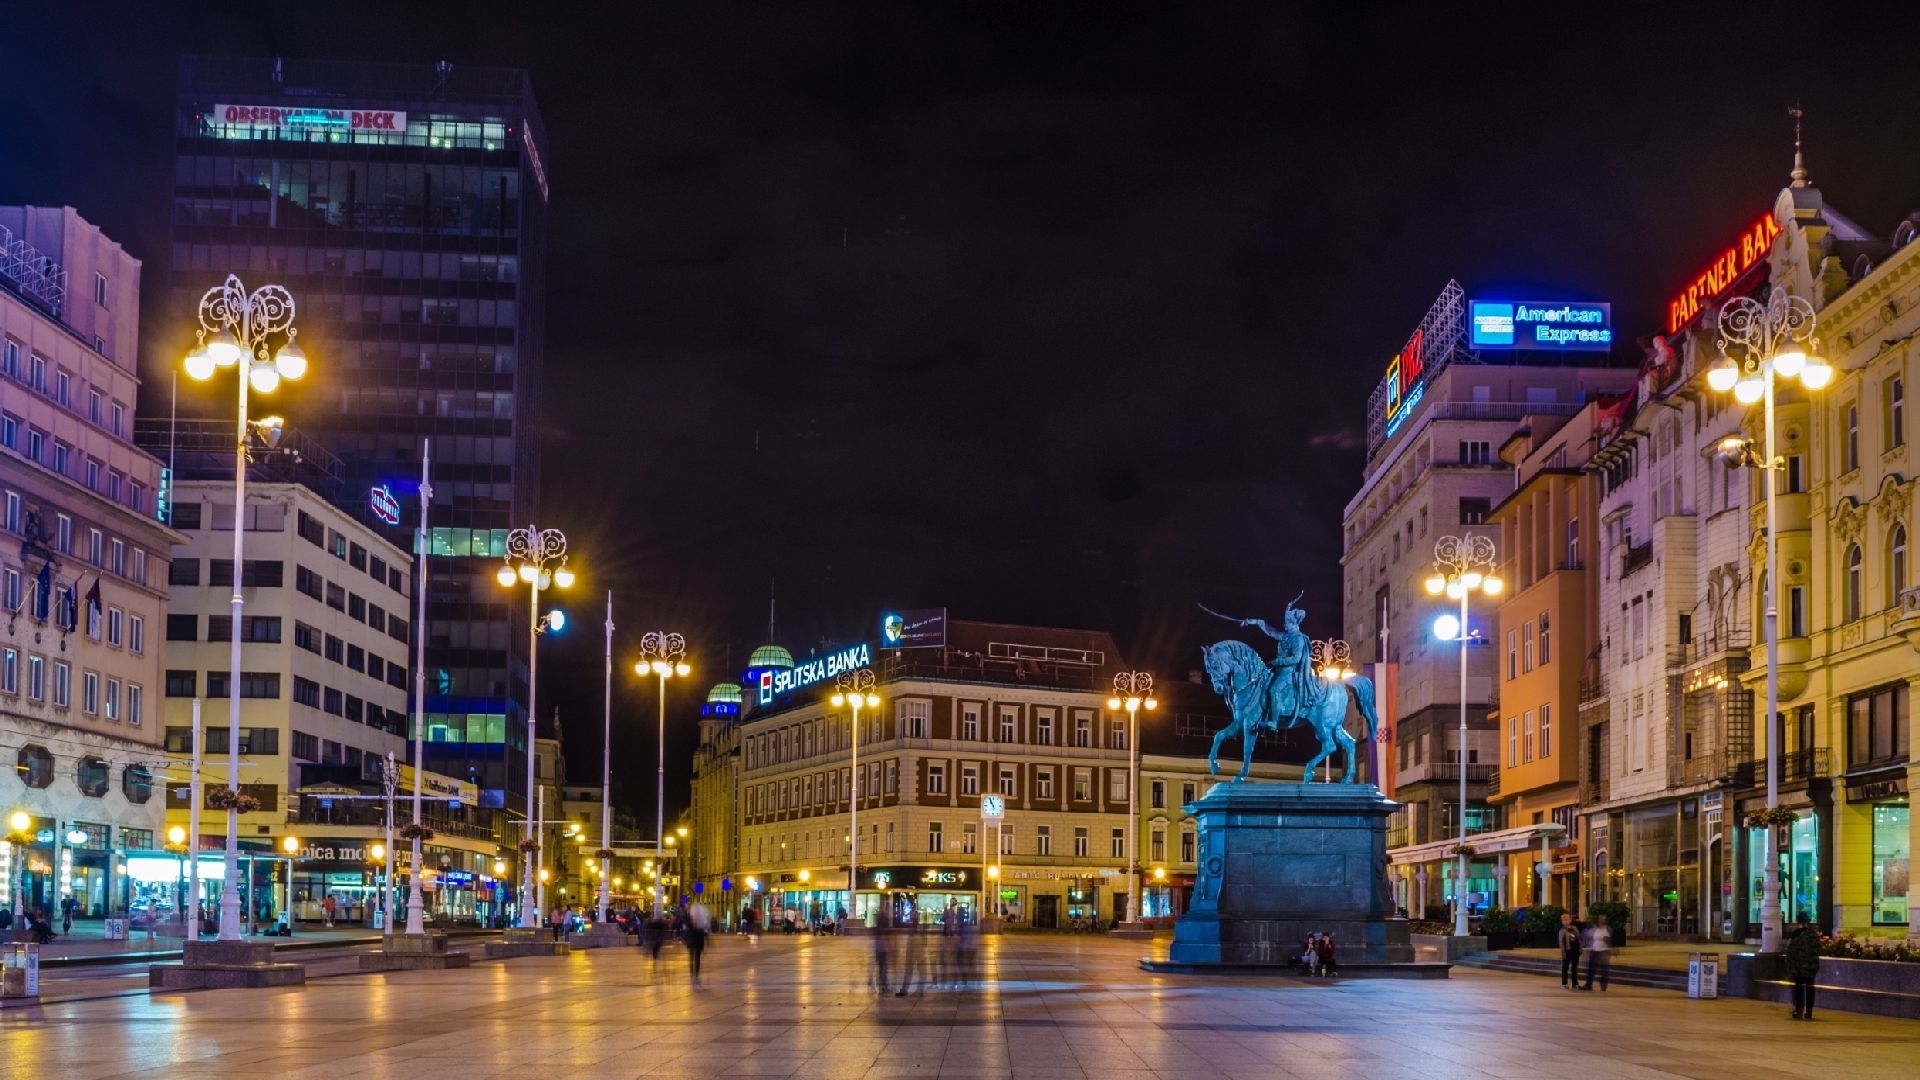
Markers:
point(1247, 739)
point(1353, 759)
point(1213, 756)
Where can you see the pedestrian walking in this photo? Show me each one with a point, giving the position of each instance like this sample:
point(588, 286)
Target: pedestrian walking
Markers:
point(1599, 943)
point(882, 945)
point(67, 904)
point(698, 924)
point(326, 909)
point(1803, 967)
point(656, 935)
point(1569, 941)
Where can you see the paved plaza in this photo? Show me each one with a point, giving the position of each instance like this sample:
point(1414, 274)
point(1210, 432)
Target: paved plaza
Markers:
point(1052, 1007)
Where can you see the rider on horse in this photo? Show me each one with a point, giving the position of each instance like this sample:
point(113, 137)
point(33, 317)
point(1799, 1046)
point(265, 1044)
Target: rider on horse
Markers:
point(1297, 688)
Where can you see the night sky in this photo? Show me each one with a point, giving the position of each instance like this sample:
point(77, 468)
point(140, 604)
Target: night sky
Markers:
point(1063, 316)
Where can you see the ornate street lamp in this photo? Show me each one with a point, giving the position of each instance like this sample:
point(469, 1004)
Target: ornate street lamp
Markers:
point(1759, 342)
point(1132, 691)
point(537, 558)
point(855, 688)
point(236, 324)
point(662, 655)
point(1463, 565)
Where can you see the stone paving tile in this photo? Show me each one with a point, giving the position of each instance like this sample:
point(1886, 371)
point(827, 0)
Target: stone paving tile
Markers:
point(1044, 1009)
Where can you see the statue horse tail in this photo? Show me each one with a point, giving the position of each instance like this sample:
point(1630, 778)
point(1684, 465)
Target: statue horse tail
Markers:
point(1362, 689)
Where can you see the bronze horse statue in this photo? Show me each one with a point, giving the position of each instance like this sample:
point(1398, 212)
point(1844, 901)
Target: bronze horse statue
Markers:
point(1245, 680)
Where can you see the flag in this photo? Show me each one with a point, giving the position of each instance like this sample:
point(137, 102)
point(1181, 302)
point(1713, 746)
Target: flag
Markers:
point(43, 591)
point(93, 597)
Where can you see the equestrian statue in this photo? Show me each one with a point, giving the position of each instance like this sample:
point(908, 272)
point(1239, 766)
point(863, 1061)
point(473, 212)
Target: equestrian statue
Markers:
point(1266, 697)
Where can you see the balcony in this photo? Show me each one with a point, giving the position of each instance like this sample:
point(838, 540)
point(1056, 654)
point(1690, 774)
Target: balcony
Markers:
point(1493, 784)
point(1057, 675)
point(1701, 769)
point(1707, 649)
point(1635, 558)
point(1796, 767)
point(1593, 681)
point(1449, 772)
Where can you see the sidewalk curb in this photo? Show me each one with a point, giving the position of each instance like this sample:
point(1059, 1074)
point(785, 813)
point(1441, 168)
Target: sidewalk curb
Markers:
point(167, 955)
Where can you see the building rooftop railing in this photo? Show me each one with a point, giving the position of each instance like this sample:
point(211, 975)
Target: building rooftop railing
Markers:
point(982, 668)
point(203, 450)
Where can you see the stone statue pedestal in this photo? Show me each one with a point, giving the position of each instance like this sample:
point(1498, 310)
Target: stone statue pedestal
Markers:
point(414, 952)
point(220, 965)
point(1281, 861)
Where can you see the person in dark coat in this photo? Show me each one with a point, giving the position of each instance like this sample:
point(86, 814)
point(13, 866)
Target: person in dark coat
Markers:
point(1569, 942)
point(1803, 967)
point(1327, 955)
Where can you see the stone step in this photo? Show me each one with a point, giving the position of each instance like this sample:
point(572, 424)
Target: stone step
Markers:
point(1624, 974)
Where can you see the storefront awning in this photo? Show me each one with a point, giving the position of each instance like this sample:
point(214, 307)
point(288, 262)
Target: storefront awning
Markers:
point(1498, 842)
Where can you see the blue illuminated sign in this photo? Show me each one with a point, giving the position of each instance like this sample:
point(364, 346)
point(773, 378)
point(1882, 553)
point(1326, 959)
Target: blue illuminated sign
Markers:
point(779, 682)
point(1524, 324)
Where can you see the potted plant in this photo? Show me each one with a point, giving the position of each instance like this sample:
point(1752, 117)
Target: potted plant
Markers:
point(603, 853)
point(416, 832)
point(1771, 817)
point(1502, 930)
point(1542, 928)
point(232, 801)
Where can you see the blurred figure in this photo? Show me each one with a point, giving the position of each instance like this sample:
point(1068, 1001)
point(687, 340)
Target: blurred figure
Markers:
point(699, 922)
point(656, 934)
point(882, 944)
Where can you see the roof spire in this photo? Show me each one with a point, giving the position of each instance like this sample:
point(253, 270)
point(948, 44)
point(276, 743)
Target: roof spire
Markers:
point(1799, 173)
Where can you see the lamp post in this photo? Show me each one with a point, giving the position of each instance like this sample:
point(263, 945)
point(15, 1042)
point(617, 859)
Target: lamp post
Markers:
point(606, 763)
point(662, 655)
point(1132, 691)
point(1462, 566)
point(855, 688)
point(176, 843)
point(537, 558)
point(1759, 342)
point(235, 323)
point(415, 923)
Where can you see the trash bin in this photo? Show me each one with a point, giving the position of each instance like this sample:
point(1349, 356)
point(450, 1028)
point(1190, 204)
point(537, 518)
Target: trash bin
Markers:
point(20, 975)
point(1703, 975)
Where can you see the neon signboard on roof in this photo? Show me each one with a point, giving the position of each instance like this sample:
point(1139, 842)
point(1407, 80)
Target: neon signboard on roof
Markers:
point(1749, 249)
point(1526, 324)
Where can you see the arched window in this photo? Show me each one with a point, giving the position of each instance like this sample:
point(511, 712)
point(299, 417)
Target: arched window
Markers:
point(1853, 582)
point(1896, 564)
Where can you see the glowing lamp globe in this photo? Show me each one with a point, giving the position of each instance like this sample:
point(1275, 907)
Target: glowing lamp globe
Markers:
point(200, 364)
point(1472, 579)
point(1749, 390)
point(528, 572)
point(1436, 585)
point(224, 348)
point(1791, 360)
point(1491, 586)
point(378, 851)
point(563, 577)
point(505, 576)
point(291, 360)
point(1817, 374)
point(682, 670)
point(556, 621)
point(839, 700)
point(290, 844)
point(1446, 627)
point(264, 377)
point(499, 867)
point(175, 835)
point(1151, 704)
point(1114, 704)
point(1722, 377)
point(873, 701)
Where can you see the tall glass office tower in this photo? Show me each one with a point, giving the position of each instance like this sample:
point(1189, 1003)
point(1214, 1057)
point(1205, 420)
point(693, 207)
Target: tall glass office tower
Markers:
point(405, 207)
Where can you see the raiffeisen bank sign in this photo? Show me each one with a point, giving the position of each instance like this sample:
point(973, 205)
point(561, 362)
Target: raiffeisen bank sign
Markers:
point(778, 683)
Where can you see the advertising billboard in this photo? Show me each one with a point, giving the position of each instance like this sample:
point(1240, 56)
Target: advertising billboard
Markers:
point(914, 629)
point(1529, 324)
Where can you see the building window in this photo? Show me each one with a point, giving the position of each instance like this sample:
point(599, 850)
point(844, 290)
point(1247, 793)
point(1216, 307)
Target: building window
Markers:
point(1850, 445)
point(1117, 734)
point(62, 683)
point(1043, 783)
point(1877, 727)
point(1009, 783)
point(1082, 784)
point(969, 839)
point(969, 779)
point(1513, 742)
point(1008, 726)
point(1896, 564)
point(1188, 791)
point(1546, 639)
point(1043, 839)
point(934, 842)
point(1006, 839)
point(9, 670)
point(1853, 598)
point(1044, 727)
point(1546, 730)
point(1116, 785)
point(1526, 646)
point(90, 693)
point(1474, 511)
point(970, 723)
point(1186, 844)
point(1513, 655)
point(1476, 452)
point(186, 683)
point(1117, 845)
point(1796, 611)
point(36, 677)
point(1893, 398)
point(1082, 845)
point(936, 779)
point(112, 699)
point(35, 766)
point(136, 783)
point(1157, 795)
point(1157, 847)
point(1526, 736)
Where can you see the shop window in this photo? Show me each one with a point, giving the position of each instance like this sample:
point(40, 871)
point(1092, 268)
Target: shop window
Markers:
point(35, 765)
point(1891, 848)
point(1877, 727)
point(136, 783)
